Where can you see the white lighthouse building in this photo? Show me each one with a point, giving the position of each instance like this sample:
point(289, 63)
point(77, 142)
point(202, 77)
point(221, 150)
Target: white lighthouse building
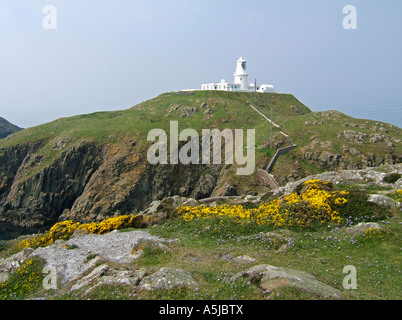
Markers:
point(240, 81)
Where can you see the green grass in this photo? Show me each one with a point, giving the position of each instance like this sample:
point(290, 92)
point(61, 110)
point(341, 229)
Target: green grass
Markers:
point(25, 282)
point(323, 252)
point(208, 249)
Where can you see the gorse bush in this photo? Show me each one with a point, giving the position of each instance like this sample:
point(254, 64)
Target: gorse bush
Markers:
point(313, 204)
point(63, 230)
point(397, 195)
point(376, 234)
point(358, 207)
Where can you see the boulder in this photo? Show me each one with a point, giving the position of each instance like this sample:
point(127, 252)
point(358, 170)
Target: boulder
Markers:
point(362, 227)
point(168, 278)
point(204, 187)
point(163, 209)
point(384, 201)
point(269, 277)
point(105, 274)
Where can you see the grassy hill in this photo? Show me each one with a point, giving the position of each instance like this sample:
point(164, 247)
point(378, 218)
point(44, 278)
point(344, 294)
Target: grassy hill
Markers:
point(7, 128)
point(95, 165)
point(311, 131)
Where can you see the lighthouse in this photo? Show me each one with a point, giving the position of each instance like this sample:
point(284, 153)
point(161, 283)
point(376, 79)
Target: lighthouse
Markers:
point(240, 82)
point(241, 75)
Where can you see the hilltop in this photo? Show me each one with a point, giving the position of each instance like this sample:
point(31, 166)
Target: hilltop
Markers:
point(92, 166)
point(7, 128)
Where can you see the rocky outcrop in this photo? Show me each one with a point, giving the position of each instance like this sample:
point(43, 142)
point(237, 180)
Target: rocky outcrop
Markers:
point(40, 193)
point(87, 182)
point(87, 261)
point(374, 175)
point(10, 161)
point(131, 189)
point(328, 160)
point(362, 227)
point(384, 201)
point(106, 275)
point(73, 258)
point(168, 278)
point(269, 277)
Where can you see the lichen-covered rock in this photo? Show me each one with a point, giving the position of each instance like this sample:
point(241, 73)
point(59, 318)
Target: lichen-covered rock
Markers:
point(373, 175)
point(168, 278)
point(362, 227)
point(104, 274)
point(269, 277)
point(384, 201)
point(75, 257)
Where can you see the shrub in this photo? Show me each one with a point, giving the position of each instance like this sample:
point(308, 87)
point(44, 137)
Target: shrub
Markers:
point(397, 195)
point(391, 178)
point(375, 234)
point(359, 208)
point(63, 230)
point(313, 206)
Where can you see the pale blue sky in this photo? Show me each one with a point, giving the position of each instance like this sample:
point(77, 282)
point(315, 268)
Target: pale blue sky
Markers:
point(111, 55)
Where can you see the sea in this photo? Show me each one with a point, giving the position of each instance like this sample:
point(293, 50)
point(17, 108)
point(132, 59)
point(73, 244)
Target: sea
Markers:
point(8, 231)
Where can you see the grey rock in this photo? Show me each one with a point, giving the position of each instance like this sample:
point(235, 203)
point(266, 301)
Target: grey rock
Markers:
point(190, 202)
point(357, 137)
point(163, 209)
point(208, 111)
point(117, 247)
point(105, 274)
point(91, 277)
point(374, 175)
point(153, 207)
point(384, 201)
point(269, 277)
point(38, 199)
point(228, 190)
point(204, 186)
point(169, 203)
point(362, 227)
point(283, 248)
point(69, 264)
point(168, 278)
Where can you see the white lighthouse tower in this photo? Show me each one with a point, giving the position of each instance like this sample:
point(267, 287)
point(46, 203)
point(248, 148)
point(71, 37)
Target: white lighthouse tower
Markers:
point(241, 75)
point(240, 81)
